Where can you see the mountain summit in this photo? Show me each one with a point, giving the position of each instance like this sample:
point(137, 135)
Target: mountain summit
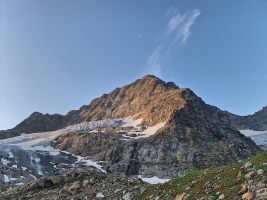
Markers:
point(148, 98)
point(149, 127)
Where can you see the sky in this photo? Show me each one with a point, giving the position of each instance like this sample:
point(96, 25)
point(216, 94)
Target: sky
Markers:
point(57, 55)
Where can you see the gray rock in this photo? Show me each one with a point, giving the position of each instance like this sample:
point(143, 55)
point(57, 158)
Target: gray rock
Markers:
point(222, 196)
point(45, 182)
point(250, 175)
point(248, 165)
point(126, 196)
point(260, 171)
point(56, 179)
point(100, 195)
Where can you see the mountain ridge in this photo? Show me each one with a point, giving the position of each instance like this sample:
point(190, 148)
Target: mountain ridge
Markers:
point(170, 131)
point(99, 108)
point(94, 110)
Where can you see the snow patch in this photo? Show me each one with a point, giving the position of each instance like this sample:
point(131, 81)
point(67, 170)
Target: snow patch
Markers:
point(259, 137)
point(4, 161)
point(153, 129)
point(34, 177)
point(6, 178)
point(154, 180)
point(249, 133)
point(147, 132)
point(86, 161)
point(94, 125)
point(24, 168)
point(10, 154)
point(131, 122)
point(27, 141)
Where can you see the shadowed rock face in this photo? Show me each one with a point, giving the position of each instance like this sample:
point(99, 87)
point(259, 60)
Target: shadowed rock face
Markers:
point(36, 122)
point(257, 121)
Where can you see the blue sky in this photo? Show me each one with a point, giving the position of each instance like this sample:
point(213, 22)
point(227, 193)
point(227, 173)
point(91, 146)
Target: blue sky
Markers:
point(57, 55)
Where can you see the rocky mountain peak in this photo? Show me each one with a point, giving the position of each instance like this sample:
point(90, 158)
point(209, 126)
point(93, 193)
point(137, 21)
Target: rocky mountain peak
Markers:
point(175, 132)
point(153, 80)
point(36, 114)
point(149, 98)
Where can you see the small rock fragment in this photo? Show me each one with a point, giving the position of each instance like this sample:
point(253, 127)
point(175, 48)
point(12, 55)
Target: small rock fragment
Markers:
point(248, 165)
point(260, 172)
point(127, 196)
point(99, 195)
point(222, 196)
point(180, 196)
point(247, 196)
point(243, 189)
point(261, 193)
point(74, 187)
point(250, 175)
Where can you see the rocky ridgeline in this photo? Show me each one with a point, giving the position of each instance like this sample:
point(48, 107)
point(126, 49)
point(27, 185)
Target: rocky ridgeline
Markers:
point(149, 98)
point(257, 121)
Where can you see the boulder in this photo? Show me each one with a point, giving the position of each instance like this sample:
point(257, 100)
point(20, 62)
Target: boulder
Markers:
point(248, 196)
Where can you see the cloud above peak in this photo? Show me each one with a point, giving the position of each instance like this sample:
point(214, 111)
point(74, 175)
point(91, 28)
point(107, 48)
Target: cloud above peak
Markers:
point(177, 31)
point(180, 25)
point(153, 65)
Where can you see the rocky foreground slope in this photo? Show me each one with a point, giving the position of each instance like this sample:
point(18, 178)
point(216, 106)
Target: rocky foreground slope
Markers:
point(243, 180)
point(77, 184)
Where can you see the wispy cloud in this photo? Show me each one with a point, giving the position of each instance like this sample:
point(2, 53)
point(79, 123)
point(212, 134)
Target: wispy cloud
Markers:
point(177, 31)
point(154, 61)
point(180, 25)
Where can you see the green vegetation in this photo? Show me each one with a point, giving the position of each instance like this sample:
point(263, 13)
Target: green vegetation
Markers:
point(209, 182)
